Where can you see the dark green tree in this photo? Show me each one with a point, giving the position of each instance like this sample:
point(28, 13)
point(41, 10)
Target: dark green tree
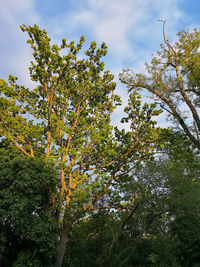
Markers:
point(170, 214)
point(27, 228)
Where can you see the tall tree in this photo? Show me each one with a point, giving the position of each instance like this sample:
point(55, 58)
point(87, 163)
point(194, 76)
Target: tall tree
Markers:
point(65, 120)
point(172, 78)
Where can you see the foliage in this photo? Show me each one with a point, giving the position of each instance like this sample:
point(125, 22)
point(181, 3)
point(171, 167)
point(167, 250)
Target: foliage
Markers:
point(27, 229)
point(90, 239)
point(170, 214)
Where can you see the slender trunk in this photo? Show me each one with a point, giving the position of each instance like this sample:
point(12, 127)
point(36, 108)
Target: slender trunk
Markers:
point(67, 225)
point(118, 234)
point(48, 140)
point(61, 250)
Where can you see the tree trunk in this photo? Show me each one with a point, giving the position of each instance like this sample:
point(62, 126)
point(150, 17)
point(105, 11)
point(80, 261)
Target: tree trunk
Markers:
point(118, 234)
point(67, 225)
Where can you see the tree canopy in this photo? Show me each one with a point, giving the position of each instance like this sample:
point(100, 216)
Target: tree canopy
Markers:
point(65, 121)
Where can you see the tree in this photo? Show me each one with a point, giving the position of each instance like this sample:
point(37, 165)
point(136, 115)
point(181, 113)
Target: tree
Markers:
point(65, 120)
point(170, 214)
point(26, 227)
point(173, 80)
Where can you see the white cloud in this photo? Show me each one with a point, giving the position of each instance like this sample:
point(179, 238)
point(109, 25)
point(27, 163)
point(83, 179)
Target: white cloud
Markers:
point(15, 53)
point(119, 22)
point(110, 21)
point(10, 8)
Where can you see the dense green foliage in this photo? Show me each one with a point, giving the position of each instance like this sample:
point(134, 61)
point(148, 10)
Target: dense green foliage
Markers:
point(26, 226)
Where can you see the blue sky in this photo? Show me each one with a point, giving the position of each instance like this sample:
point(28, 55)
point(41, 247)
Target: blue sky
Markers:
point(129, 28)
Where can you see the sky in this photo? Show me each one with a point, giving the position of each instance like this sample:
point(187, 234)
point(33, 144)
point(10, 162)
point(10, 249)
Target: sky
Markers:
point(130, 28)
